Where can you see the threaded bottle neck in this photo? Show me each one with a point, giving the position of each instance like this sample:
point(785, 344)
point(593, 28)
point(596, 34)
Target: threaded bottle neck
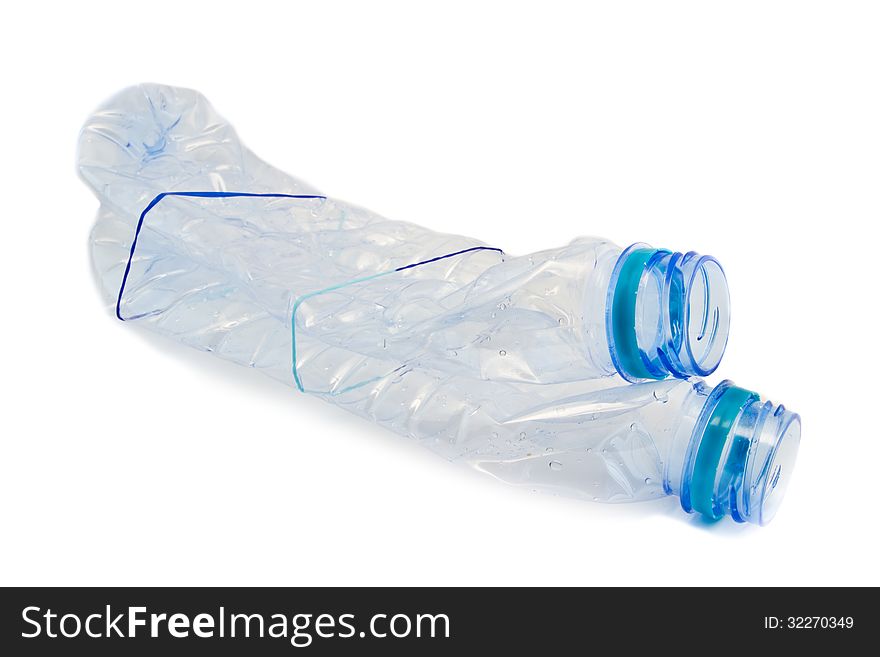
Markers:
point(740, 456)
point(666, 314)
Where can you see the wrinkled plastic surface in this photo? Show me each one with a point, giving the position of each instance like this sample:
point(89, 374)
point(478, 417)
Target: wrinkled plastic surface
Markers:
point(212, 271)
point(498, 361)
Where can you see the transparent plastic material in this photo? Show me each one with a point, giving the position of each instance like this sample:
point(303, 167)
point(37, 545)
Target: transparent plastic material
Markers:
point(197, 213)
point(502, 362)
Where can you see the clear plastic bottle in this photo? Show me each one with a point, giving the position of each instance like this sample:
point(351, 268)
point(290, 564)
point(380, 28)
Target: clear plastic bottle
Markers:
point(722, 450)
point(503, 363)
point(197, 213)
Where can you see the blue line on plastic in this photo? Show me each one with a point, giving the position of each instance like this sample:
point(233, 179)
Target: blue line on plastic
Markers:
point(159, 197)
point(305, 297)
point(301, 299)
point(449, 255)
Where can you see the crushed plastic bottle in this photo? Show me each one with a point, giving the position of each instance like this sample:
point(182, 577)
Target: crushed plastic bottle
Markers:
point(194, 212)
point(486, 358)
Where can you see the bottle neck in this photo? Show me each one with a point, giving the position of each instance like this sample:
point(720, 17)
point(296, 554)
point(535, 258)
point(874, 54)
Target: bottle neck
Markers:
point(733, 454)
point(666, 314)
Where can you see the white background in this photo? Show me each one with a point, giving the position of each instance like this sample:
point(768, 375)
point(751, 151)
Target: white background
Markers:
point(750, 131)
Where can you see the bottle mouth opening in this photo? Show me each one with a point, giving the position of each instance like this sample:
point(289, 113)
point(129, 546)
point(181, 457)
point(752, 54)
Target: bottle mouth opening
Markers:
point(706, 325)
point(666, 314)
point(774, 475)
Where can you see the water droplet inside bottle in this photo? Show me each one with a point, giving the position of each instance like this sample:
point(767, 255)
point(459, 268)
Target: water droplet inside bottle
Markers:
point(522, 435)
point(660, 396)
point(632, 427)
point(589, 450)
point(648, 480)
point(548, 450)
point(555, 465)
point(502, 353)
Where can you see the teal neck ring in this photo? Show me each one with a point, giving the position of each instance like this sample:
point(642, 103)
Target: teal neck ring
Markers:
point(713, 437)
point(620, 314)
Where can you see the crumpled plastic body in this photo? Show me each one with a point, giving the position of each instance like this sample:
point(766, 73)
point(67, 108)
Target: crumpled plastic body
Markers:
point(499, 361)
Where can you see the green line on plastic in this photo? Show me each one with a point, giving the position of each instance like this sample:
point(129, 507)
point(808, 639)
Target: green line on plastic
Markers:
point(308, 296)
